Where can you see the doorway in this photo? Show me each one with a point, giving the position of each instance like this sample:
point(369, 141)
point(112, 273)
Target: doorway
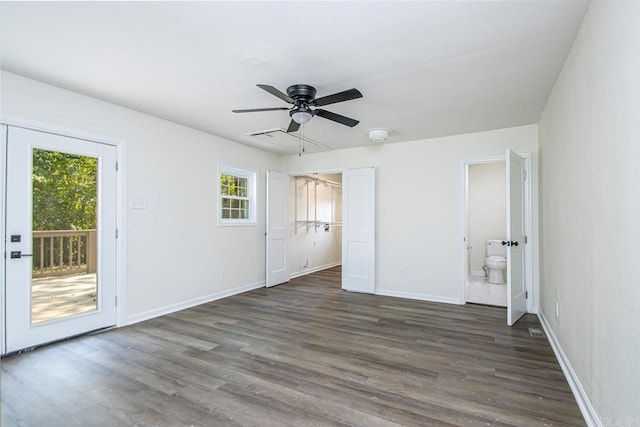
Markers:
point(315, 212)
point(60, 226)
point(494, 249)
point(334, 209)
point(487, 228)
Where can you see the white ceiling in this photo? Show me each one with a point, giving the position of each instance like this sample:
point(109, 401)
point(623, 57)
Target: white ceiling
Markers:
point(426, 69)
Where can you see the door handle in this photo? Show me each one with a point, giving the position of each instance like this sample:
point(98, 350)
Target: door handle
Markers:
point(509, 243)
point(18, 254)
point(514, 243)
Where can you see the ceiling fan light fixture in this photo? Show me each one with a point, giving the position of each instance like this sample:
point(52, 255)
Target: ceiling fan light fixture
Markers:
point(301, 114)
point(378, 134)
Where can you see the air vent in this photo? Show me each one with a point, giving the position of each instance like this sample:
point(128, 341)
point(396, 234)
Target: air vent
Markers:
point(536, 333)
point(264, 132)
point(285, 142)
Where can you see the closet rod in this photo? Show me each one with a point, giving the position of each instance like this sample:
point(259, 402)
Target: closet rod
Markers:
point(312, 178)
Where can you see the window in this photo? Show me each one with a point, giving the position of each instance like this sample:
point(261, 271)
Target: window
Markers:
point(237, 200)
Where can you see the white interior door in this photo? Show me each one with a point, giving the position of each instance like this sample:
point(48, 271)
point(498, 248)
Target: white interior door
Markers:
point(358, 230)
point(277, 228)
point(516, 292)
point(60, 234)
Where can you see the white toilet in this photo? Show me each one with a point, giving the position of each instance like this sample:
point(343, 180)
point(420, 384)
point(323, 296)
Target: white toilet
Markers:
point(496, 261)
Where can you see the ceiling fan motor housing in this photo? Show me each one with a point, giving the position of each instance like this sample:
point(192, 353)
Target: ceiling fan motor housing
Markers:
point(301, 93)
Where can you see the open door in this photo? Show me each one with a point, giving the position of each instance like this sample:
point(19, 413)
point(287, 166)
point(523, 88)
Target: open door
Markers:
point(358, 230)
point(516, 292)
point(277, 228)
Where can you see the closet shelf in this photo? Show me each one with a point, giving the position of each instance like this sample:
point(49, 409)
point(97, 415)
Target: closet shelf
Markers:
point(336, 188)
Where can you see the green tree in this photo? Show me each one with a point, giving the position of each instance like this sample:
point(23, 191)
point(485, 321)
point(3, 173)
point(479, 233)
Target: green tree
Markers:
point(64, 191)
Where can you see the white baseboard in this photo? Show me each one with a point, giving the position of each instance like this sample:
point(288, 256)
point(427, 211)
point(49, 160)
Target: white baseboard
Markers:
point(313, 270)
point(420, 297)
point(588, 411)
point(478, 273)
point(191, 303)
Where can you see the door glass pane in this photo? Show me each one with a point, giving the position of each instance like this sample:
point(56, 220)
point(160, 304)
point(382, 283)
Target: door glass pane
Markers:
point(64, 273)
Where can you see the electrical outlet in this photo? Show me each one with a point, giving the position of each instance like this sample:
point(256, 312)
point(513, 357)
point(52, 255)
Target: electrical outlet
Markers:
point(222, 273)
point(557, 309)
point(402, 273)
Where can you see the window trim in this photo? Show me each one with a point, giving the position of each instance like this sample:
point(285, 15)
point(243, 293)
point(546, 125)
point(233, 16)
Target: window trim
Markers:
point(252, 178)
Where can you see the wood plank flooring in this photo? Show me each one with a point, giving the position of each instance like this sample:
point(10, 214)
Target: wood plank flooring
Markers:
point(304, 353)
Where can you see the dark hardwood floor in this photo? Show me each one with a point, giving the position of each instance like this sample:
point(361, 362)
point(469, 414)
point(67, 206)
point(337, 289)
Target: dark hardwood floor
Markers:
point(304, 353)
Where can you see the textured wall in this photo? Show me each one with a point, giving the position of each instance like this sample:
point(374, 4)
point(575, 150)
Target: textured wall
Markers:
point(590, 209)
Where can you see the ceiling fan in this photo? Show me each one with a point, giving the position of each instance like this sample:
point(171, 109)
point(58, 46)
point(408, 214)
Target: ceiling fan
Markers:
point(303, 97)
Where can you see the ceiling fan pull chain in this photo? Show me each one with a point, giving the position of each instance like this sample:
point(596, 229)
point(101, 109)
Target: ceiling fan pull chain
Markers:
point(300, 143)
point(302, 136)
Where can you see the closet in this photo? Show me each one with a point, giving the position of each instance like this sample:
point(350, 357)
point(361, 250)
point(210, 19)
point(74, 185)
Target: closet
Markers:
point(315, 213)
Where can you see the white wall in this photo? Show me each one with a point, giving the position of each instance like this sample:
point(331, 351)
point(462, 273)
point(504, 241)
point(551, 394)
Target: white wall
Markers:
point(590, 209)
point(487, 209)
point(418, 220)
point(175, 249)
point(315, 249)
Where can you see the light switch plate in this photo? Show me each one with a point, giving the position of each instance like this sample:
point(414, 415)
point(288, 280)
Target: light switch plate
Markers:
point(138, 204)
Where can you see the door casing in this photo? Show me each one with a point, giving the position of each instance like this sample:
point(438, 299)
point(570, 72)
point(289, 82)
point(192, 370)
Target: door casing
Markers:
point(120, 144)
point(528, 218)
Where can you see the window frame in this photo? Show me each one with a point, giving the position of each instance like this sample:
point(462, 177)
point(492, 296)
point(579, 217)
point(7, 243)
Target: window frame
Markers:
point(251, 177)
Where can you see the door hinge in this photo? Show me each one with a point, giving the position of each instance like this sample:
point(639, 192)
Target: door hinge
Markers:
point(524, 175)
point(526, 294)
point(117, 166)
point(116, 233)
point(116, 301)
point(526, 240)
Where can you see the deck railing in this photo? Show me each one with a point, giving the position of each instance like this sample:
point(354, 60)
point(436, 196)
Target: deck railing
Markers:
point(62, 252)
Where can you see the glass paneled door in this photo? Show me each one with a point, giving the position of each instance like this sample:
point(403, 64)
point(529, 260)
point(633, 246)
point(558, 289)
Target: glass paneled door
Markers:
point(60, 226)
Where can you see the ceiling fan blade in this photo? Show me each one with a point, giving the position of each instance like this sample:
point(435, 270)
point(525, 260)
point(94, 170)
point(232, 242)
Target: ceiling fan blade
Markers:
point(338, 97)
point(275, 92)
point(336, 117)
point(293, 126)
point(255, 110)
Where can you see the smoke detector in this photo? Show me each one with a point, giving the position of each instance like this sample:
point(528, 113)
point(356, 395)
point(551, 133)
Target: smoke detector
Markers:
point(378, 134)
